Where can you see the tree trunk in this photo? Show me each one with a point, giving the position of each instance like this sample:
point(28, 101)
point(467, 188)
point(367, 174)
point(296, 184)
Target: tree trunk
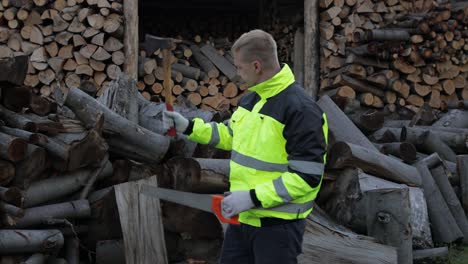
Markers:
point(388, 220)
point(37, 215)
point(344, 154)
point(341, 127)
point(50, 189)
point(462, 166)
point(443, 225)
point(451, 199)
point(30, 241)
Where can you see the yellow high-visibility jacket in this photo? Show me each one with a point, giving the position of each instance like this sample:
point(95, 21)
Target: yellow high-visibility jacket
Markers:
point(278, 138)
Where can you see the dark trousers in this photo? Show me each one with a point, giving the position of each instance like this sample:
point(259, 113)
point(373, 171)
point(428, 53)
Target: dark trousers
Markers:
point(245, 244)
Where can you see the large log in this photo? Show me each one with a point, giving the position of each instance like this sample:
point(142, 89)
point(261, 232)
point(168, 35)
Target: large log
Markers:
point(403, 150)
point(349, 195)
point(456, 140)
point(85, 106)
point(344, 154)
point(441, 179)
point(204, 62)
point(30, 241)
point(325, 241)
point(341, 127)
point(388, 220)
point(53, 188)
point(69, 210)
point(462, 166)
point(443, 225)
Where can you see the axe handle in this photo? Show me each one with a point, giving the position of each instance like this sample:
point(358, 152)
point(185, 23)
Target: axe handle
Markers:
point(167, 86)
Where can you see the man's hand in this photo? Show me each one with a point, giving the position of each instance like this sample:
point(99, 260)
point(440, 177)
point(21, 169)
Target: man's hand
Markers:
point(235, 203)
point(171, 119)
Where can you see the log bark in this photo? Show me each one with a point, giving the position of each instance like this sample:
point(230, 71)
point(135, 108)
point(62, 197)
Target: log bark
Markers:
point(430, 253)
point(138, 136)
point(130, 10)
point(441, 179)
point(187, 71)
point(50, 189)
point(72, 250)
point(29, 169)
point(403, 150)
point(12, 148)
point(455, 138)
point(15, 120)
point(299, 56)
point(36, 258)
point(7, 174)
point(443, 225)
point(454, 118)
point(429, 142)
point(462, 166)
point(30, 241)
point(341, 127)
point(325, 240)
point(38, 215)
point(344, 154)
point(389, 220)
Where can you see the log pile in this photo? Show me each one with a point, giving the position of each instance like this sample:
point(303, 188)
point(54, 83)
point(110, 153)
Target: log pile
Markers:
point(70, 43)
point(395, 54)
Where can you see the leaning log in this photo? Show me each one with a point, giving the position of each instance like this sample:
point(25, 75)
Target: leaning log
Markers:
point(85, 108)
point(325, 240)
point(37, 215)
point(441, 179)
point(443, 225)
point(341, 127)
point(344, 154)
point(30, 241)
point(462, 165)
point(388, 220)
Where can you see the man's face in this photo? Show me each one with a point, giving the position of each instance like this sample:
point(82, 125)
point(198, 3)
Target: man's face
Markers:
point(248, 71)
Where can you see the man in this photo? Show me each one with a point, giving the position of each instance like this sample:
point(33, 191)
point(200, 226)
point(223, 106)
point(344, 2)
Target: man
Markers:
point(278, 138)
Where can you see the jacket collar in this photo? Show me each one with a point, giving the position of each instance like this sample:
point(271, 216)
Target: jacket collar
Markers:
point(275, 84)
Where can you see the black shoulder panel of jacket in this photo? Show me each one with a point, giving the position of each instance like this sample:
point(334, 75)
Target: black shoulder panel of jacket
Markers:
point(303, 122)
point(249, 100)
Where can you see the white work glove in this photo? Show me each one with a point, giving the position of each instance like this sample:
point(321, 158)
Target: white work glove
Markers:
point(235, 203)
point(171, 119)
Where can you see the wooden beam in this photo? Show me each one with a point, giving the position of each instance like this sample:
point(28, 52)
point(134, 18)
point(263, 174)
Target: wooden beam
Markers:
point(311, 51)
point(130, 10)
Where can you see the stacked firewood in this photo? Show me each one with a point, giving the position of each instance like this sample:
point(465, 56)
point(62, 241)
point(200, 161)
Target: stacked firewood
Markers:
point(394, 53)
point(71, 43)
point(203, 73)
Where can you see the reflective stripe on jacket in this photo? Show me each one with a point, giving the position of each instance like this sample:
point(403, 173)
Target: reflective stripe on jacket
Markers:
point(278, 138)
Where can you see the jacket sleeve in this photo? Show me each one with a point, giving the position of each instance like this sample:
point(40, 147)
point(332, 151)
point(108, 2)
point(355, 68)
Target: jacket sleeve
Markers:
point(306, 133)
point(217, 135)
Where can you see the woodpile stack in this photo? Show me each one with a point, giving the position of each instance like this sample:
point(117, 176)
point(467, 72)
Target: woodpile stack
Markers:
point(395, 54)
point(70, 43)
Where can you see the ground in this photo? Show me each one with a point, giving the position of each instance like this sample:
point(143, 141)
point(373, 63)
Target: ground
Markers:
point(458, 255)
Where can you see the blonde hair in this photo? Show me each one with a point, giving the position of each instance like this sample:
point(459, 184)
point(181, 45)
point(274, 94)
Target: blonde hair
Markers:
point(257, 45)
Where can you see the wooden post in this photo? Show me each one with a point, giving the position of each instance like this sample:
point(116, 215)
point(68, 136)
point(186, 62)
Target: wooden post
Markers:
point(130, 10)
point(299, 56)
point(142, 229)
point(462, 165)
point(311, 51)
point(388, 220)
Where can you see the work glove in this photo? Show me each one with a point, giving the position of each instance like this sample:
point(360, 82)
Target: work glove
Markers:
point(171, 119)
point(235, 203)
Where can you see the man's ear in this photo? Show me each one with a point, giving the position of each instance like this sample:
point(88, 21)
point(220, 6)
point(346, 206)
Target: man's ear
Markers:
point(257, 66)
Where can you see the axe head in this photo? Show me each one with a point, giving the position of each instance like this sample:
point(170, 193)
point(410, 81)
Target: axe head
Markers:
point(153, 43)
